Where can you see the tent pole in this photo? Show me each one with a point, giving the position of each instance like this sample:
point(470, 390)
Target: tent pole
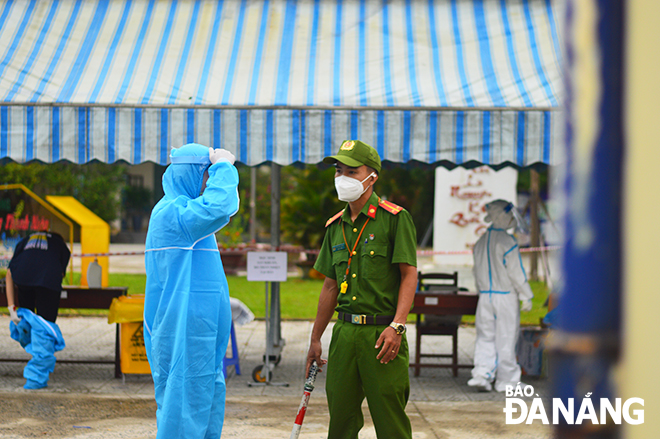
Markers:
point(275, 331)
point(253, 205)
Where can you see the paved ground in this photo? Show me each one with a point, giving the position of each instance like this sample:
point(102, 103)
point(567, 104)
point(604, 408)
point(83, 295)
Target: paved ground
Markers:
point(86, 401)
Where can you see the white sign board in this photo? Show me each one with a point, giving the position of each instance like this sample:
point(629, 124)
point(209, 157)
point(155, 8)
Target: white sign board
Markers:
point(461, 196)
point(267, 266)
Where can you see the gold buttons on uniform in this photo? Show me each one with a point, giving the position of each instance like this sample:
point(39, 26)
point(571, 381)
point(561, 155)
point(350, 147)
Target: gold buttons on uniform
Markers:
point(354, 253)
point(354, 275)
point(354, 298)
point(354, 230)
point(371, 252)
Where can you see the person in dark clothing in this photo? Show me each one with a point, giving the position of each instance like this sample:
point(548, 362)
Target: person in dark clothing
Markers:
point(35, 273)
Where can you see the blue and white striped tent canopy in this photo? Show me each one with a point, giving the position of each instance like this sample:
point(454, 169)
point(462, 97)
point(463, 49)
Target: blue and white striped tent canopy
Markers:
point(454, 81)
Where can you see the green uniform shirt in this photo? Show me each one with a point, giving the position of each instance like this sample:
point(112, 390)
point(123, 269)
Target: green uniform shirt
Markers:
point(374, 276)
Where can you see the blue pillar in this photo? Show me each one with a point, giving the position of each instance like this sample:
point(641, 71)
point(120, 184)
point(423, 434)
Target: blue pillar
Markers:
point(589, 321)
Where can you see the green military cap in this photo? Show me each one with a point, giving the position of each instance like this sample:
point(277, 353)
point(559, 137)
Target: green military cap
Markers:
point(355, 153)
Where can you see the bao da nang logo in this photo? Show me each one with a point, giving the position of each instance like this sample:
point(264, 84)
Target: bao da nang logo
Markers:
point(518, 410)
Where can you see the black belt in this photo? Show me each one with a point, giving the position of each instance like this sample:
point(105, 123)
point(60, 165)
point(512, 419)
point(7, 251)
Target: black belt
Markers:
point(361, 319)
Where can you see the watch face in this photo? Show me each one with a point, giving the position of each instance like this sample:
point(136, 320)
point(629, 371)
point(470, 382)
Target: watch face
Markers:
point(399, 328)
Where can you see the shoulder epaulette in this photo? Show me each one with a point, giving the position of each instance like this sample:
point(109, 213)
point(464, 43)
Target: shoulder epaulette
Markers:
point(390, 207)
point(331, 220)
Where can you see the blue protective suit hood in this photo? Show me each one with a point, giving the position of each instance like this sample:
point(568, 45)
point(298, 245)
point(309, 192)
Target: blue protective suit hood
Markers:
point(187, 313)
point(183, 177)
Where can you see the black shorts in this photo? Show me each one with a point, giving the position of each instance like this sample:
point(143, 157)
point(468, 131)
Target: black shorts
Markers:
point(42, 301)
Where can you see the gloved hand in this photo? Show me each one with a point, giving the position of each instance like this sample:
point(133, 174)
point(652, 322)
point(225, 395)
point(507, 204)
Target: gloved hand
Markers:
point(526, 305)
point(12, 314)
point(219, 153)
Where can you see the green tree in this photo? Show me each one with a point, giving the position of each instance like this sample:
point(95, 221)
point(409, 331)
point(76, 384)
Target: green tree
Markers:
point(96, 185)
point(308, 200)
point(262, 198)
point(524, 180)
point(138, 200)
point(412, 188)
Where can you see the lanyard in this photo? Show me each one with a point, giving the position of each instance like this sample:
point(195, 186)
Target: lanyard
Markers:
point(344, 284)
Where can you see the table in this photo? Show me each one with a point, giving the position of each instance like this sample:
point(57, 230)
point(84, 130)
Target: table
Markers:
point(77, 297)
point(442, 301)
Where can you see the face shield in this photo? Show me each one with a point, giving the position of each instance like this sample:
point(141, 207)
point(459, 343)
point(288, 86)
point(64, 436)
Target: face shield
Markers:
point(521, 225)
point(504, 215)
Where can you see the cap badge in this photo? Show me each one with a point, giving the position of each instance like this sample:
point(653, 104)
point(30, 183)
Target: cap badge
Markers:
point(347, 146)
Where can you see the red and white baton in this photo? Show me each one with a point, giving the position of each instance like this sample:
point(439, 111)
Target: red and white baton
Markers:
point(309, 386)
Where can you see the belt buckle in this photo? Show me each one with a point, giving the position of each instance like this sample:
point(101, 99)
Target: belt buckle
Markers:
point(359, 319)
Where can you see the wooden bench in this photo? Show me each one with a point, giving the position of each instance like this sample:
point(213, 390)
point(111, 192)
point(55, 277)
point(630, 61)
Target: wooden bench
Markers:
point(76, 297)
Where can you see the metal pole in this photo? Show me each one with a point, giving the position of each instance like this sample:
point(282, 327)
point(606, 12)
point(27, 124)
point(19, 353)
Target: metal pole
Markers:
point(275, 327)
point(253, 205)
point(274, 340)
point(275, 205)
point(269, 349)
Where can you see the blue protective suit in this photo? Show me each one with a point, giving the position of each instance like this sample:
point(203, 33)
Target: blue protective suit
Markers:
point(187, 315)
point(41, 339)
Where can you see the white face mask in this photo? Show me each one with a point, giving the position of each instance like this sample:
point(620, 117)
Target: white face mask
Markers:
point(350, 189)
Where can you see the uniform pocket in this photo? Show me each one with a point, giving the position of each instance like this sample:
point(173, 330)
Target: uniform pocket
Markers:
point(375, 260)
point(340, 262)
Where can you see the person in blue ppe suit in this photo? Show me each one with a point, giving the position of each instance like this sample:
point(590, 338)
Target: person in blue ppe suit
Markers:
point(41, 339)
point(187, 313)
point(501, 281)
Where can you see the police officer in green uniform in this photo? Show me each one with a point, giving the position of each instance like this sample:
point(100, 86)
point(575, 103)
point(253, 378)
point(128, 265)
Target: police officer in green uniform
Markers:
point(369, 259)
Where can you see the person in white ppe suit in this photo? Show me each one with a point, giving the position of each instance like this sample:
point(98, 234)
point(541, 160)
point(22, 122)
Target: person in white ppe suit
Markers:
point(502, 283)
point(187, 312)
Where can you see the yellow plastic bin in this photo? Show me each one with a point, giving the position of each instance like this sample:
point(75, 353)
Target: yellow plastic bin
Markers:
point(128, 312)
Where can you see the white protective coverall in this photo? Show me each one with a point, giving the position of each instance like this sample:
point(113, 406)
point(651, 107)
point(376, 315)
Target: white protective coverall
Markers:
point(501, 280)
point(187, 314)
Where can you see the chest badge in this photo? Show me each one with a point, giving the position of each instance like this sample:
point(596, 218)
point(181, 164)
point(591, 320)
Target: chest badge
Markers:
point(371, 236)
point(338, 247)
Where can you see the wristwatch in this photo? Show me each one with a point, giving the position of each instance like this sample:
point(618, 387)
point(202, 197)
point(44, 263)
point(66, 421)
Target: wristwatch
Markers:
point(400, 328)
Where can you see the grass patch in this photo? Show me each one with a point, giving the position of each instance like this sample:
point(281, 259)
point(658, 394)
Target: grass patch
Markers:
point(298, 298)
point(134, 282)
